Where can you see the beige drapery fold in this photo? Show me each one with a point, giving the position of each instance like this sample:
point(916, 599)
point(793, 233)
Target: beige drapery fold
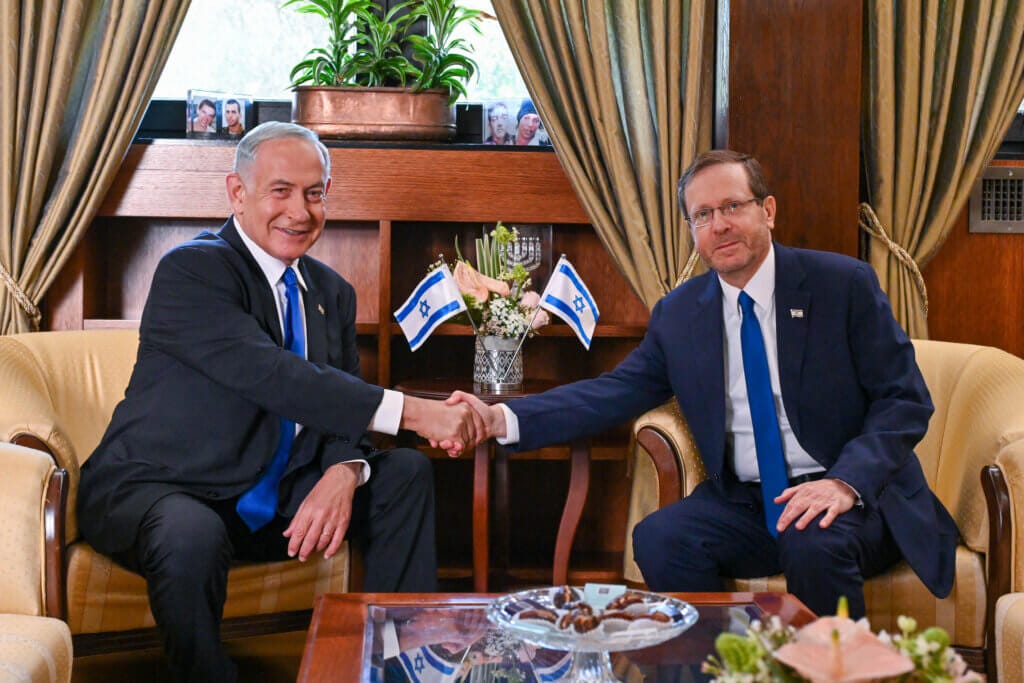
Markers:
point(942, 81)
point(75, 79)
point(624, 90)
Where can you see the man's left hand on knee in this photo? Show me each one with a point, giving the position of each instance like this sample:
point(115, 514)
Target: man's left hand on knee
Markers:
point(321, 522)
point(806, 501)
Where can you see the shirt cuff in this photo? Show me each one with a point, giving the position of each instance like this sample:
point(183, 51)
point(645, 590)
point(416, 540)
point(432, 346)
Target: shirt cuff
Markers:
point(511, 426)
point(388, 416)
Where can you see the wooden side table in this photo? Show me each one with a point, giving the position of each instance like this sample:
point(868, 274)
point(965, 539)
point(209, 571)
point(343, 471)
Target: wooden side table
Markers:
point(572, 511)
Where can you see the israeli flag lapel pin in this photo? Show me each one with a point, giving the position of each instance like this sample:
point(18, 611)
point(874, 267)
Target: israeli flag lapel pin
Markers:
point(796, 313)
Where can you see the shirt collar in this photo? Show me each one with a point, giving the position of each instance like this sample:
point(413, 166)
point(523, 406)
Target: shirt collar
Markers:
point(760, 287)
point(273, 268)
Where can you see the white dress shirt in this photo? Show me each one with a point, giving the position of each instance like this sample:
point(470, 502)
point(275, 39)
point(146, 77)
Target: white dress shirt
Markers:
point(739, 428)
point(388, 415)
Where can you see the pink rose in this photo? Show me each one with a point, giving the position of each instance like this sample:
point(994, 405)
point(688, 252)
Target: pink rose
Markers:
point(478, 286)
point(541, 320)
point(529, 299)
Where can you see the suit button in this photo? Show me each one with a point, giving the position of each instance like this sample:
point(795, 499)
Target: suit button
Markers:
point(259, 470)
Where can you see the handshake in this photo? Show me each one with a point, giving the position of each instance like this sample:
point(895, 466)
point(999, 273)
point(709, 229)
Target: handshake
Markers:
point(456, 424)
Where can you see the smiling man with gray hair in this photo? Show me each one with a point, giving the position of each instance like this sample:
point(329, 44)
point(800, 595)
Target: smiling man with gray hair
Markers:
point(242, 434)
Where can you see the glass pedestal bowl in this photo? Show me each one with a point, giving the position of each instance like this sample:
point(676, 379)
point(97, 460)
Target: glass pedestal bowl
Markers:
point(558, 619)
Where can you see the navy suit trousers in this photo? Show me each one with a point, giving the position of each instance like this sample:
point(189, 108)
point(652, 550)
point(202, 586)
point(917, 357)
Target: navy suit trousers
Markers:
point(692, 544)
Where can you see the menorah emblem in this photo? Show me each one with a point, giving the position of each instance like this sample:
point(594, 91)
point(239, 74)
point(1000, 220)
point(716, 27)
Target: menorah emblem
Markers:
point(525, 251)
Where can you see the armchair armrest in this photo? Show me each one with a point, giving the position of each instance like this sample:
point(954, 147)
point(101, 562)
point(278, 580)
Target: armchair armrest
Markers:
point(664, 435)
point(33, 494)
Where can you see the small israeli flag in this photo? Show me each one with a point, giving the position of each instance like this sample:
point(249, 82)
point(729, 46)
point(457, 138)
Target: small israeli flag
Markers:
point(435, 299)
point(567, 297)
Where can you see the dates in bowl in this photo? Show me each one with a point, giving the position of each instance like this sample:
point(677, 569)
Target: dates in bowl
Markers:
point(574, 618)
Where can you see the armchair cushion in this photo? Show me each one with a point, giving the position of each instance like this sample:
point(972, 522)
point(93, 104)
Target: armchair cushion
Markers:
point(103, 596)
point(35, 649)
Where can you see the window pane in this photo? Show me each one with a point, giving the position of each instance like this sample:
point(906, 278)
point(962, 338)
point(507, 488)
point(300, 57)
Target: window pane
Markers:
point(250, 46)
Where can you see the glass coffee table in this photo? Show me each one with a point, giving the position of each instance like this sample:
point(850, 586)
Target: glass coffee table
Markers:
point(393, 638)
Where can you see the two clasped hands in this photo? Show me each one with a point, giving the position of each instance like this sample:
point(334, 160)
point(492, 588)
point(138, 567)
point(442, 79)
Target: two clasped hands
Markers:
point(454, 425)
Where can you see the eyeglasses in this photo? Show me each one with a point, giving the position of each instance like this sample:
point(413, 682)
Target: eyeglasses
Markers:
point(703, 217)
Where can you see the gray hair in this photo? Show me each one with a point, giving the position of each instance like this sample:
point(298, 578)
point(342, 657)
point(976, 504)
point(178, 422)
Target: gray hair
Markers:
point(245, 153)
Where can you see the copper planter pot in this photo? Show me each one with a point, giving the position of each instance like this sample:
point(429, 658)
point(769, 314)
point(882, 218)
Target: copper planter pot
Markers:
point(374, 113)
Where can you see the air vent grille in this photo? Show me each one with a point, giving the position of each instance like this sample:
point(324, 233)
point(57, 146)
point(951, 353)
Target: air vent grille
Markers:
point(997, 203)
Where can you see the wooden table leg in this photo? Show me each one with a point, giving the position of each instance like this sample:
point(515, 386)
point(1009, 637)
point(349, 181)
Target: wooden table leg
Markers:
point(481, 500)
point(501, 524)
point(579, 484)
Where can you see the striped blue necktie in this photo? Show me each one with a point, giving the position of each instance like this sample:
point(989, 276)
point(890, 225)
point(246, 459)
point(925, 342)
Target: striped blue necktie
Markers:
point(771, 461)
point(258, 505)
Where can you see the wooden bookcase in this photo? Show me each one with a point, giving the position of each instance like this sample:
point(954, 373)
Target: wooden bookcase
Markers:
point(391, 211)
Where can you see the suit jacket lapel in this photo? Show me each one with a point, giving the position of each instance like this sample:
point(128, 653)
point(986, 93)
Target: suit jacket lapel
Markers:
point(792, 318)
point(316, 319)
point(264, 307)
point(706, 330)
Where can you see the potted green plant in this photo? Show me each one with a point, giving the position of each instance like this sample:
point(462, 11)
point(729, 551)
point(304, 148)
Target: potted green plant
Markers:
point(362, 84)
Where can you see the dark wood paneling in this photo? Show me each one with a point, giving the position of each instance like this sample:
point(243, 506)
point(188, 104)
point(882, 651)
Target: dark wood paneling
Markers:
point(794, 103)
point(976, 289)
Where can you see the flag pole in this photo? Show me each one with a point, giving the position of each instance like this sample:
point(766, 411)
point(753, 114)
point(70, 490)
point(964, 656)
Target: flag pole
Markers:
point(529, 327)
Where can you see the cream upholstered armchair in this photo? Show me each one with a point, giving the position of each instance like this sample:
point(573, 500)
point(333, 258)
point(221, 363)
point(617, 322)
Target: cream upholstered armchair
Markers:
point(975, 442)
point(33, 647)
point(59, 391)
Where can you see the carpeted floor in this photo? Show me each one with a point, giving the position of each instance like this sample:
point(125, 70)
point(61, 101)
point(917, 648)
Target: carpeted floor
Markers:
point(266, 659)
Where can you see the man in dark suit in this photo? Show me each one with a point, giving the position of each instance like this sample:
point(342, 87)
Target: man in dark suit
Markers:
point(242, 430)
point(804, 399)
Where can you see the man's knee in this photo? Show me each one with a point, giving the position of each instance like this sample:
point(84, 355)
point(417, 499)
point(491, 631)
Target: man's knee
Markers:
point(411, 467)
point(657, 535)
point(183, 538)
point(813, 548)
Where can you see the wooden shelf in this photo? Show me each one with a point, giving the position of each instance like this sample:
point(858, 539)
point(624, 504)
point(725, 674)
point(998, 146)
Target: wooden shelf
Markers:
point(598, 452)
point(553, 330)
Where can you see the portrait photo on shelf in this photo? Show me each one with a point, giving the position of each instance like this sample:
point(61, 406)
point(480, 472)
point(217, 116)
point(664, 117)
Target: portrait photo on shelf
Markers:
point(499, 126)
point(236, 115)
point(202, 113)
point(528, 128)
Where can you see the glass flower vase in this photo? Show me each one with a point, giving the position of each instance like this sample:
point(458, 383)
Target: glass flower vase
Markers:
point(497, 368)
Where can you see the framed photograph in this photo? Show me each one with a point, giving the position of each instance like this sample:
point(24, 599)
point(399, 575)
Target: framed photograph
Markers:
point(202, 113)
point(498, 122)
point(236, 115)
point(529, 129)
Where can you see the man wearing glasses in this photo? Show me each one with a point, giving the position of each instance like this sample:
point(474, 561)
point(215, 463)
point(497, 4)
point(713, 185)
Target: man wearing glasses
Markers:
point(804, 399)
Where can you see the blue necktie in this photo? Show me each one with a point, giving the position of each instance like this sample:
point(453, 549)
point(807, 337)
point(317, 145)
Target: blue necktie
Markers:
point(258, 505)
point(771, 462)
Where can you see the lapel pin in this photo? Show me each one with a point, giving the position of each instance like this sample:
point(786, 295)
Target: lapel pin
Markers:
point(796, 313)
point(320, 307)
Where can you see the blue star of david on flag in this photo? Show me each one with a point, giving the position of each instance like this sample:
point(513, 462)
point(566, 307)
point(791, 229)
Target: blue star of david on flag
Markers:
point(567, 297)
point(436, 298)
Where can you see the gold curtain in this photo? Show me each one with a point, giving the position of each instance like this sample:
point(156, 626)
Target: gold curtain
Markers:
point(75, 79)
point(942, 81)
point(624, 90)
